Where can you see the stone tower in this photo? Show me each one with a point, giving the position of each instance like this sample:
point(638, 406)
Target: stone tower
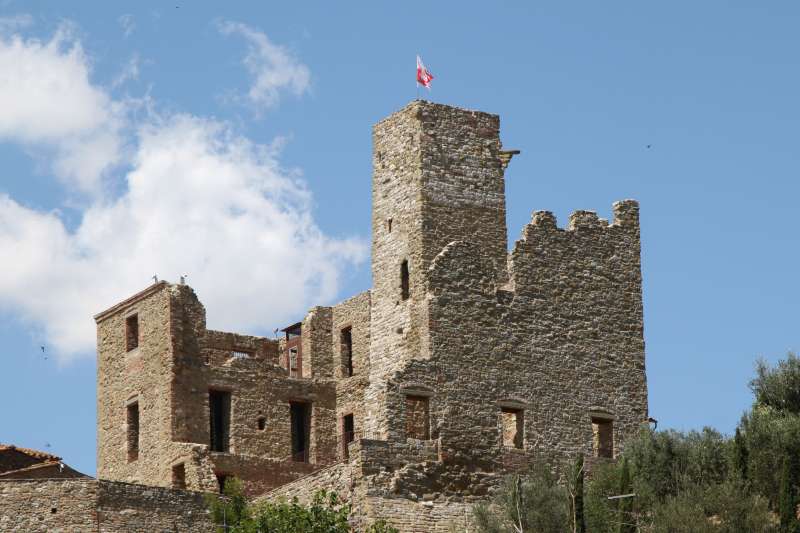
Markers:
point(437, 178)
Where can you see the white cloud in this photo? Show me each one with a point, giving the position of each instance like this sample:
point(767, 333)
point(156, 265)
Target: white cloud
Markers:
point(201, 199)
point(15, 22)
point(128, 24)
point(272, 67)
point(129, 72)
point(50, 104)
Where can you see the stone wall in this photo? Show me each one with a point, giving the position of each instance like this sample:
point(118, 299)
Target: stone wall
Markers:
point(89, 505)
point(49, 506)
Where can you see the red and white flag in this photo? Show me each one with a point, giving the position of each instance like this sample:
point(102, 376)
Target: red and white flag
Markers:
point(424, 77)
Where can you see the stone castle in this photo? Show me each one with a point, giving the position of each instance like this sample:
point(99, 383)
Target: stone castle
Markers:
point(463, 363)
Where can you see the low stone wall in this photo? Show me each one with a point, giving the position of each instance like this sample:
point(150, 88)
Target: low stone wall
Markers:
point(127, 507)
point(421, 517)
point(89, 505)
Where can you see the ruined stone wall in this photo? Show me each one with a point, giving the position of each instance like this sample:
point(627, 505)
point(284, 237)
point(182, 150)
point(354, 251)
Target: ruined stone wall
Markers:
point(564, 345)
point(353, 313)
point(142, 375)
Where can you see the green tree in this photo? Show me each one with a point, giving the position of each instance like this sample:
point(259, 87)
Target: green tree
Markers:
point(788, 494)
point(740, 454)
point(778, 387)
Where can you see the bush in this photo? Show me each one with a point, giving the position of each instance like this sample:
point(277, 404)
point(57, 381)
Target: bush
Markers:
point(326, 514)
point(535, 504)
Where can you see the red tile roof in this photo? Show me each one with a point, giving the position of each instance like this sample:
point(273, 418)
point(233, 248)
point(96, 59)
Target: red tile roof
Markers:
point(27, 451)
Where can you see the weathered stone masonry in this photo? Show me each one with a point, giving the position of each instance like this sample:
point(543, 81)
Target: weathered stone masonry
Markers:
point(464, 362)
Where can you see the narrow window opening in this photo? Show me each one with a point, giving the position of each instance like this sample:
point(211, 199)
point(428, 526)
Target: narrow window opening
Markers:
point(417, 418)
point(389, 225)
point(219, 403)
point(513, 426)
point(347, 350)
point(131, 332)
point(348, 433)
point(404, 290)
point(133, 431)
point(262, 423)
point(221, 480)
point(294, 363)
point(300, 424)
point(179, 476)
point(603, 437)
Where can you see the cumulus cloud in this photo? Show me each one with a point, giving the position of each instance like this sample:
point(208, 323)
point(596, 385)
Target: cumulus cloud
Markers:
point(273, 68)
point(50, 104)
point(201, 199)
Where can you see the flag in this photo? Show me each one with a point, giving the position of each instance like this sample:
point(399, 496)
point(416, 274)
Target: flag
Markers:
point(424, 77)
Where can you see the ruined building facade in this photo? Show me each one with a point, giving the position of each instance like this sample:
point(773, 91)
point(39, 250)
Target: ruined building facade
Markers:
point(463, 362)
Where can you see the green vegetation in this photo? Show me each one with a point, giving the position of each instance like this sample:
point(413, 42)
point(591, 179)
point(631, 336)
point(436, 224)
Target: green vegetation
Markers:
point(325, 514)
point(695, 482)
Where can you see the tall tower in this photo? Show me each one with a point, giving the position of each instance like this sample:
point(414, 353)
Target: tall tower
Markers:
point(437, 178)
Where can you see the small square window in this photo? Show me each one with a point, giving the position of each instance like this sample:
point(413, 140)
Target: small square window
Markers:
point(132, 332)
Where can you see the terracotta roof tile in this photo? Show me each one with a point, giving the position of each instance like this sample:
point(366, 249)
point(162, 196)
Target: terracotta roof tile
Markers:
point(27, 451)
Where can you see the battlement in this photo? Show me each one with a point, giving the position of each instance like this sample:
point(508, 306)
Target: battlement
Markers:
point(626, 214)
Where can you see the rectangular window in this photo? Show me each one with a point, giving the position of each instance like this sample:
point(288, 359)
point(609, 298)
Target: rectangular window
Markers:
point(404, 287)
point(346, 338)
point(131, 332)
point(348, 433)
point(133, 431)
point(179, 476)
point(513, 425)
point(603, 437)
point(417, 418)
point(301, 428)
point(219, 403)
point(294, 363)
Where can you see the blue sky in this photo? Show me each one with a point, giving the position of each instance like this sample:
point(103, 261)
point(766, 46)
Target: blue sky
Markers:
point(232, 144)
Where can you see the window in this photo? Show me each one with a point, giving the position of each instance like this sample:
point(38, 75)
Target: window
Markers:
point(346, 340)
point(512, 422)
point(404, 291)
point(262, 423)
point(131, 332)
point(603, 437)
point(348, 433)
point(179, 476)
point(300, 424)
point(389, 225)
point(133, 431)
point(219, 403)
point(294, 363)
point(240, 354)
point(417, 418)
point(221, 480)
